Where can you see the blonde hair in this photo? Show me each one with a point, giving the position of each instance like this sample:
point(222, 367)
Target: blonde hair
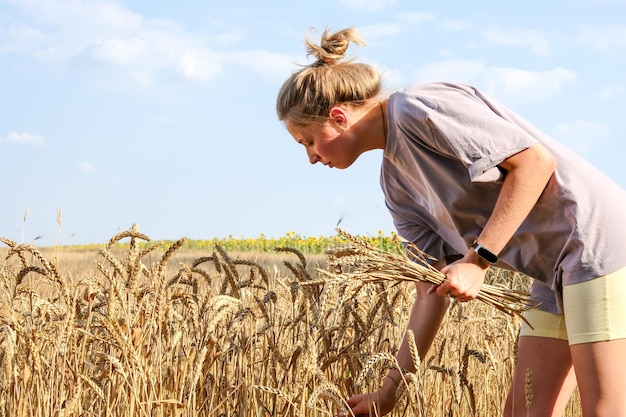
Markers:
point(309, 94)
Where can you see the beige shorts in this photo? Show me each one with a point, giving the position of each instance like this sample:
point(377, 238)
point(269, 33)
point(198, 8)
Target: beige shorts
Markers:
point(594, 311)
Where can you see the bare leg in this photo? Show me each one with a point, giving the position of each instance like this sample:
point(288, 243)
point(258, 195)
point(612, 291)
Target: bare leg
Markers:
point(601, 371)
point(552, 378)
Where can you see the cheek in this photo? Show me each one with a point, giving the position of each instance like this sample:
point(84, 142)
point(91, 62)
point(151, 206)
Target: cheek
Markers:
point(341, 146)
point(323, 148)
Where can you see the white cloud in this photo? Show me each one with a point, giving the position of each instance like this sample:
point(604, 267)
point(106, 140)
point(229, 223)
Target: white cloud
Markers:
point(94, 15)
point(86, 167)
point(451, 70)
point(511, 85)
point(21, 39)
point(25, 138)
point(582, 136)
point(120, 51)
point(384, 30)
point(535, 40)
point(264, 62)
point(199, 64)
point(144, 55)
point(519, 86)
point(603, 38)
point(367, 5)
point(104, 37)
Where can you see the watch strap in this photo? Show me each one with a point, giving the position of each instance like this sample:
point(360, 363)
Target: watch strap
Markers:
point(484, 253)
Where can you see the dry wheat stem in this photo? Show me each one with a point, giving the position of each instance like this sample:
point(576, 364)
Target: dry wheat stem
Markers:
point(371, 264)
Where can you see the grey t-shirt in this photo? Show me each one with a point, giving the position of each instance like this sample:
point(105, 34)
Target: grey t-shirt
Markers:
point(441, 179)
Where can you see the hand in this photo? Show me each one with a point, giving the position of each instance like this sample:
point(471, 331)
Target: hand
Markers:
point(371, 404)
point(464, 278)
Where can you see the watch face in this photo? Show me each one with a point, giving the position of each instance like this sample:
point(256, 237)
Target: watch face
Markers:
point(486, 255)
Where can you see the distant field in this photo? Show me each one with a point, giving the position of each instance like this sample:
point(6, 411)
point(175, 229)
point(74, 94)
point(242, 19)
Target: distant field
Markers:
point(228, 328)
point(308, 245)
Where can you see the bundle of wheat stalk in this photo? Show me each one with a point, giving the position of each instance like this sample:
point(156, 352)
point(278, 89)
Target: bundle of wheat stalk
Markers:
point(368, 263)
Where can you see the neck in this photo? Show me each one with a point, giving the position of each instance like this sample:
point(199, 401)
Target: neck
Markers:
point(383, 115)
point(370, 127)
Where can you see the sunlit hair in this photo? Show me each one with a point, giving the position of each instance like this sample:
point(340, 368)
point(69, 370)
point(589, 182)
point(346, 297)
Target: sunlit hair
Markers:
point(309, 94)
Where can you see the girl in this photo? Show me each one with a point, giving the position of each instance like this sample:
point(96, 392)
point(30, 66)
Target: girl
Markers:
point(473, 184)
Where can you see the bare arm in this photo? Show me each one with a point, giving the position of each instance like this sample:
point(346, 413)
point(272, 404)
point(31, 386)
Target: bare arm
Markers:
point(528, 173)
point(426, 316)
point(425, 319)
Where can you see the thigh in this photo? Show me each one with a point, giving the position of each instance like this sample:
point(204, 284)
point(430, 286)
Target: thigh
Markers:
point(543, 380)
point(595, 314)
point(595, 310)
point(601, 373)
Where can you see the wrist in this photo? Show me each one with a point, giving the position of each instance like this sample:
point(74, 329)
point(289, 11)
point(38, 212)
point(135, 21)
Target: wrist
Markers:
point(485, 256)
point(473, 257)
point(391, 383)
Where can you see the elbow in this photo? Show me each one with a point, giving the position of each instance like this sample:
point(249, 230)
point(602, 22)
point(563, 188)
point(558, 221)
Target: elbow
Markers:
point(536, 161)
point(546, 161)
point(549, 160)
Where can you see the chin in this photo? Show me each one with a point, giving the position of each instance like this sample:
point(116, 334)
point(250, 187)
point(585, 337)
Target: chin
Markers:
point(344, 166)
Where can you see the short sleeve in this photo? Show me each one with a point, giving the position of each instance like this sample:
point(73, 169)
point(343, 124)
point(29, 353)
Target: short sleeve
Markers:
point(460, 123)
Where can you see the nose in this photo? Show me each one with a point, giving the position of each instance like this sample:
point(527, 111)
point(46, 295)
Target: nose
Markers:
point(313, 157)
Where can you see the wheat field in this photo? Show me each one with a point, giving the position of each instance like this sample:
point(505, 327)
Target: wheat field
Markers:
point(133, 330)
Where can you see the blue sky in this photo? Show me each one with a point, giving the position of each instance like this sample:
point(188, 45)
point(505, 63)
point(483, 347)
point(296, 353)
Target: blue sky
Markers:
point(162, 113)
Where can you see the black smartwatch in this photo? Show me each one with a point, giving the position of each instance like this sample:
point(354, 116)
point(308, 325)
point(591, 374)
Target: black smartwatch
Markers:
point(484, 253)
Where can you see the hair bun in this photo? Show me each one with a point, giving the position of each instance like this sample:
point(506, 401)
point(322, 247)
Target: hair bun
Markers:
point(309, 94)
point(333, 46)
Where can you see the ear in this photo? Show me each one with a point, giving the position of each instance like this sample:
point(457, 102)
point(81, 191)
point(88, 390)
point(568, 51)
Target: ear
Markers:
point(339, 116)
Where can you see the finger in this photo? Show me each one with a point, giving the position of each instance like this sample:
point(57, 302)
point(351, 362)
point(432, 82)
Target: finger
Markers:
point(354, 400)
point(356, 409)
point(444, 289)
point(364, 407)
point(432, 289)
point(465, 298)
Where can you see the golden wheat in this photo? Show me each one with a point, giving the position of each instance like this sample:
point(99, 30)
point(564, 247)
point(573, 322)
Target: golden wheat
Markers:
point(214, 335)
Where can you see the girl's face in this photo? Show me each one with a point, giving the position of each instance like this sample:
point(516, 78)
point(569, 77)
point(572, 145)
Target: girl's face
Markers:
point(331, 144)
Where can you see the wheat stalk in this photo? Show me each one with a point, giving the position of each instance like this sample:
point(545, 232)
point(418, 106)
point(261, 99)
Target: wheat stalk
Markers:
point(528, 389)
point(329, 391)
point(371, 264)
